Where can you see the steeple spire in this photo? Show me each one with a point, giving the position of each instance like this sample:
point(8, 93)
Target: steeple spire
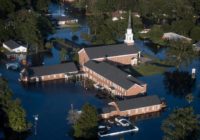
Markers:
point(129, 20)
point(129, 34)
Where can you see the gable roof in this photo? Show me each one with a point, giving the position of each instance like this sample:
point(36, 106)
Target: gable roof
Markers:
point(110, 50)
point(139, 102)
point(114, 74)
point(12, 44)
point(108, 109)
point(54, 69)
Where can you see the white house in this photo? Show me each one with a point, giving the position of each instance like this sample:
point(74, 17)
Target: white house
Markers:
point(63, 20)
point(14, 47)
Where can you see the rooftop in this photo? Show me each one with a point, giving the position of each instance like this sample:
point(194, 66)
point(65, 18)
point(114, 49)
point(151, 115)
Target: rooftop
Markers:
point(54, 69)
point(110, 50)
point(108, 109)
point(114, 74)
point(12, 44)
point(139, 102)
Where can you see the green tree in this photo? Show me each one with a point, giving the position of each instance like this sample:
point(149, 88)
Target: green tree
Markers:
point(182, 124)
point(63, 54)
point(195, 33)
point(44, 26)
point(155, 34)
point(25, 25)
point(180, 52)
point(42, 5)
point(86, 126)
point(182, 27)
point(6, 7)
point(15, 114)
point(17, 117)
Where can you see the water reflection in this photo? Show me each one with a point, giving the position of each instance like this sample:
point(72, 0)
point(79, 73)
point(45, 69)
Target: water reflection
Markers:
point(146, 116)
point(178, 83)
point(10, 135)
point(153, 47)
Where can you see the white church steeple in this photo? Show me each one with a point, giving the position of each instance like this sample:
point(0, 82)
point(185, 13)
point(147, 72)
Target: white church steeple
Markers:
point(129, 34)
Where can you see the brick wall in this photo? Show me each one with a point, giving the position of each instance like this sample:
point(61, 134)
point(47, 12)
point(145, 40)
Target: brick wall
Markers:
point(106, 83)
point(134, 90)
point(139, 111)
point(50, 77)
point(133, 112)
point(123, 59)
point(83, 57)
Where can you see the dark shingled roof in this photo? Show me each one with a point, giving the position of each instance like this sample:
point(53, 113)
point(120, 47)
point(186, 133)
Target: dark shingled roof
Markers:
point(110, 50)
point(138, 102)
point(108, 109)
point(113, 74)
point(54, 69)
point(11, 44)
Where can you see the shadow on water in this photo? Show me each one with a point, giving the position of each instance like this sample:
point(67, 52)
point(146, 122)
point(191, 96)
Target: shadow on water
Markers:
point(146, 116)
point(7, 133)
point(10, 135)
point(178, 83)
point(154, 47)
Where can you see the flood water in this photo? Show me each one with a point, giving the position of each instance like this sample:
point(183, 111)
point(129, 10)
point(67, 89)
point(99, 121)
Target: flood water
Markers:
point(52, 100)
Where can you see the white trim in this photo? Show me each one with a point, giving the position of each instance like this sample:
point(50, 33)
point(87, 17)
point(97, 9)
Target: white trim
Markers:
point(6, 47)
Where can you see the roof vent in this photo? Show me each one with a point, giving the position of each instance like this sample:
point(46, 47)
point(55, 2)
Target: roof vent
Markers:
point(129, 76)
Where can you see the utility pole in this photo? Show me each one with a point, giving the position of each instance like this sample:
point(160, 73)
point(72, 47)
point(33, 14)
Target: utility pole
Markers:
point(36, 117)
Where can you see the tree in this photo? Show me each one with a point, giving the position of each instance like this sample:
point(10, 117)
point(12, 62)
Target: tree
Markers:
point(25, 25)
point(42, 5)
point(182, 124)
point(182, 27)
point(195, 33)
point(155, 34)
point(16, 117)
point(86, 126)
point(180, 52)
point(44, 26)
point(15, 114)
point(63, 54)
point(6, 7)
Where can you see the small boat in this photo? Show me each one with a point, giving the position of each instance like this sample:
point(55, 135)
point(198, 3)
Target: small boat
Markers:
point(110, 122)
point(103, 129)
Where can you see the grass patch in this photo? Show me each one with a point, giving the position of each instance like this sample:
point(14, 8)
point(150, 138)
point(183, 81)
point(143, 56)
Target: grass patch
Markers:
point(150, 69)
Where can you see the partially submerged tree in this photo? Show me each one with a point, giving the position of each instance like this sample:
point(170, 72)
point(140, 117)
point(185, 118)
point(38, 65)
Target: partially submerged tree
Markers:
point(86, 125)
point(17, 117)
point(182, 124)
point(180, 52)
point(15, 114)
